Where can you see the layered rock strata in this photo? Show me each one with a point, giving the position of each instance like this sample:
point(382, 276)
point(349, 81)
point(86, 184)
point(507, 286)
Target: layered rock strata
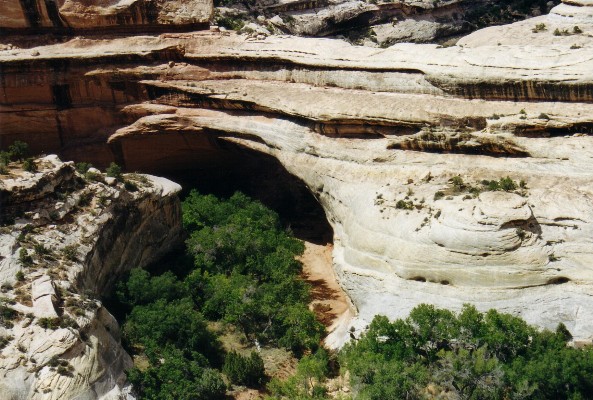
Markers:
point(68, 16)
point(404, 147)
point(69, 239)
point(375, 23)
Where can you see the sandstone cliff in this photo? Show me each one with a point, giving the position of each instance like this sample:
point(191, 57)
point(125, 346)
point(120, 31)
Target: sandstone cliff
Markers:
point(68, 240)
point(375, 23)
point(404, 147)
point(35, 16)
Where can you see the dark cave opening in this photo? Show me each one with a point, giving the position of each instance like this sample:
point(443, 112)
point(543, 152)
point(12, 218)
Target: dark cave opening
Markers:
point(221, 169)
point(232, 168)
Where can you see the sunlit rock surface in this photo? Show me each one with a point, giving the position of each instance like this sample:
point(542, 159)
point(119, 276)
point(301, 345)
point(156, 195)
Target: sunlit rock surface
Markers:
point(376, 134)
point(81, 235)
point(125, 15)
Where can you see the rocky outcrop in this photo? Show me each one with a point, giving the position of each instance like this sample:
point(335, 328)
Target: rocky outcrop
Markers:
point(107, 16)
point(449, 174)
point(70, 238)
point(375, 23)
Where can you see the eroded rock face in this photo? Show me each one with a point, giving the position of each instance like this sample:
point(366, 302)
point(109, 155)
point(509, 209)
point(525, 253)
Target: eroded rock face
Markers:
point(68, 15)
point(71, 239)
point(374, 23)
point(377, 135)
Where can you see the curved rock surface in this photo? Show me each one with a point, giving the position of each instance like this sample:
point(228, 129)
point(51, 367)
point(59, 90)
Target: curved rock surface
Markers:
point(70, 240)
point(400, 146)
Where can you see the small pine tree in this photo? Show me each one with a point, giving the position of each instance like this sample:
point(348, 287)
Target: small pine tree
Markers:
point(4, 157)
point(83, 167)
point(114, 171)
point(18, 150)
point(507, 184)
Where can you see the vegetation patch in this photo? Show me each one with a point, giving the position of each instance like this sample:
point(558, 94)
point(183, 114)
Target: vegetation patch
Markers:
point(7, 313)
point(63, 321)
point(469, 355)
point(239, 268)
point(457, 186)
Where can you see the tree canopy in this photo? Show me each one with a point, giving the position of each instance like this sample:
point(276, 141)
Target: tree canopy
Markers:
point(243, 271)
point(474, 355)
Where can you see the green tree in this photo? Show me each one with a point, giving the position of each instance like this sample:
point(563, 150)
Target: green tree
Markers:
point(18, 150)
point(469, 355)
point(246, 270)
point(307, 383)
point(247, 371)
point(173, 377)
point(174, 323)
point(141, 288)
point(114, 171)
point(302, 330)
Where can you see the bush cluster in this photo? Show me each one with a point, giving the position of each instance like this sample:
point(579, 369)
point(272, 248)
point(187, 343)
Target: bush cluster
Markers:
point(248, 371)
point(16, 151)
point(239, 268)
point(470, 355)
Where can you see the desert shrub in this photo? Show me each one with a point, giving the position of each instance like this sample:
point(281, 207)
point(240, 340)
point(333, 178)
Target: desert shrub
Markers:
point(70, 252)
point(505, 184)
point(404, 205)
point(5, 287)
point(92, 176)
point(40, 249)
point(5, 157)
point(18, 150)
point(130, 186)
point(24, 257)
point(7, 314)
point(248, 371)
point(4, 340)
point(563, 32)
point(114, 171)
point(29, 165)
point(230, 22)
point(63, 321)
point(85, 199)
point(20, 276)
point(83, 167)
point(49, 323)
point(458, 184)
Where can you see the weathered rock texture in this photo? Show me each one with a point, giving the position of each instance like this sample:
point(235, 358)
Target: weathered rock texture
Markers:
point(108, 15)
point(375, 134)
point(72, 238)
point(376, 23)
